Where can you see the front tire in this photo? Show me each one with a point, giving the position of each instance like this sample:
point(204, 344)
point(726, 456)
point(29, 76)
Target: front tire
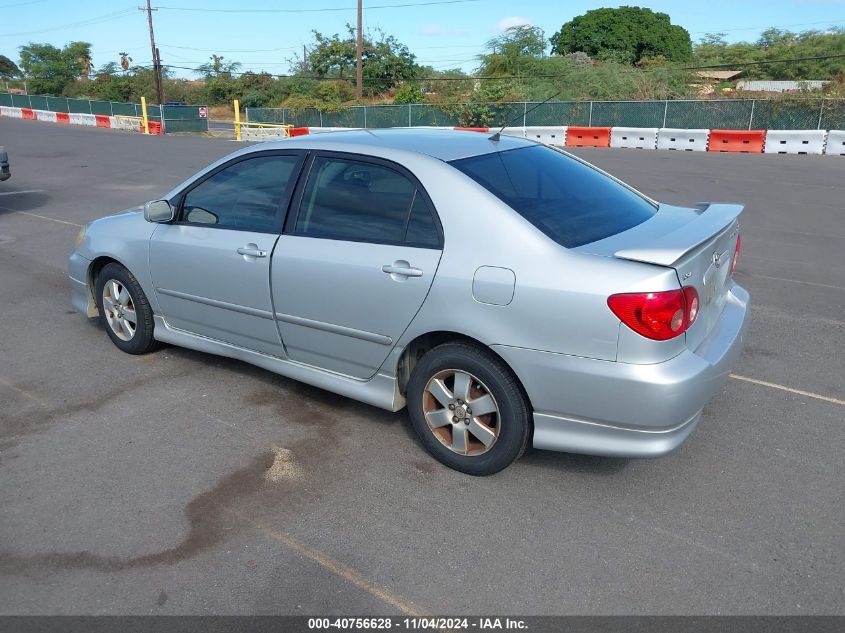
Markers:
point(124, 310)
point(468, 410)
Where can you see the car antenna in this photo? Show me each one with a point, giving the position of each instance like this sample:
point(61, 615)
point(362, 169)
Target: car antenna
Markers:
point(498, 135)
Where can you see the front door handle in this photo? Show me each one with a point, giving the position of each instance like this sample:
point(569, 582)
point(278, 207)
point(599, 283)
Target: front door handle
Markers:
point(401, 269)
point(251, 250)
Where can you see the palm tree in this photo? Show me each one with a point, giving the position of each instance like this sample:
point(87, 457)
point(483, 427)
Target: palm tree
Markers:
point(86, 62)
point(124, 61)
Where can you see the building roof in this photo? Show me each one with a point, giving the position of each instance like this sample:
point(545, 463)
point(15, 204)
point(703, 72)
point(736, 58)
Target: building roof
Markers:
point(780, 86)
point(722, 75)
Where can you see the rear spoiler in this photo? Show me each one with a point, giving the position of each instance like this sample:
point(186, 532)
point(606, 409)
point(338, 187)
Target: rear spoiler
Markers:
point(669, 248)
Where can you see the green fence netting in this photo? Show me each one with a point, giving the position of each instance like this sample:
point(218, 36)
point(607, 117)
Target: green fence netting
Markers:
point(728, 114)
point(185, 119)
point(176, 118)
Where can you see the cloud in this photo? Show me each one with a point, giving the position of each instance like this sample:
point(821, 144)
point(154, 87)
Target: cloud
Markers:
point(514, 20)
point(438, 30)
point(431, 30)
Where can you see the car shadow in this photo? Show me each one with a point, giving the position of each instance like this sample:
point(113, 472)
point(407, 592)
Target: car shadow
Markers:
point(14, 201)
point(574, 463)
point(275, 390)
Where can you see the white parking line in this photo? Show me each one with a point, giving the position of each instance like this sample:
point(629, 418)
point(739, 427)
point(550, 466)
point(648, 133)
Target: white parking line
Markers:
point(793, 281)
point(12, 193)
point(799, 392)
point(44, 217)
point(335, 567)
point(25, 393)
point(836, 237)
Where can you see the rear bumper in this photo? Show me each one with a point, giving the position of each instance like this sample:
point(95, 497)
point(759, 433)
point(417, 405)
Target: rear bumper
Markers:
point(599, 407)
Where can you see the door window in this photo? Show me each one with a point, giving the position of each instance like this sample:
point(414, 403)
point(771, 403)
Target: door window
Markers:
point(246, 195)
point(366, 202)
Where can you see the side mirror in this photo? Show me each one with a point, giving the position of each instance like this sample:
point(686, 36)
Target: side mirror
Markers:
point(158, 211)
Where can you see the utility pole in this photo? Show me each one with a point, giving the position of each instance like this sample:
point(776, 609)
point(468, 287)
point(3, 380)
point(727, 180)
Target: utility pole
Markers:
point(359, 67)
point(304, 61)
point(156, 58)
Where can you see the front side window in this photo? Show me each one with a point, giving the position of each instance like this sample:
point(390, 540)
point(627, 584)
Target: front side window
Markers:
point(360, 201)
point(569, 201)
point(247, 195)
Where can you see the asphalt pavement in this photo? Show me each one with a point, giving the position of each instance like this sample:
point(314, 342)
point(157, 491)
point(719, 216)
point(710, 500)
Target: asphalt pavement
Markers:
point(184, 483)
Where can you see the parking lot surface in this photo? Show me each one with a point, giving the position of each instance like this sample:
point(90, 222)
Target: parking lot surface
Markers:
point(183, 483)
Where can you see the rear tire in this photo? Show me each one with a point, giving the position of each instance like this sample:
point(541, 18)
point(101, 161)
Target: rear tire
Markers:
point(124, 310)
point(446, 384)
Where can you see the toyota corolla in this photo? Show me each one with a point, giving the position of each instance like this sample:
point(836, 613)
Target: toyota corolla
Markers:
point(505, 292)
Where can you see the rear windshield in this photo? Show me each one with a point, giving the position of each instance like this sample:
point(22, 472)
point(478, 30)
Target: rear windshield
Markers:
point(569, 201)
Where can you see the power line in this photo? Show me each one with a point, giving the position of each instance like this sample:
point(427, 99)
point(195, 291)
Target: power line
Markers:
point(766, 61)
point(231, 50)
point(435, 60)
point(95, 20)
point(770, 26)
point(321, 10)
point(418, 48)
point(15, 5)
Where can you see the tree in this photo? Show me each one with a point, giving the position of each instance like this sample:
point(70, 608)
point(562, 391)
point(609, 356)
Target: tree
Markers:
point(82, 52)
point(125, 60)
point(386, 61)
point(776, 37)
point(713, 39)
point(331, 56)
point(107, 70)
point(409, 92)
point(8, 68)
point(774, 45)
point(523, 40)
point(218, 68)
point(514, 51)
point(480, 110)
point(626, 34)
point(50, 69)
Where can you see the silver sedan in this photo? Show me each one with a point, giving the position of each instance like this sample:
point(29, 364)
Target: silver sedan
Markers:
point(506, 292)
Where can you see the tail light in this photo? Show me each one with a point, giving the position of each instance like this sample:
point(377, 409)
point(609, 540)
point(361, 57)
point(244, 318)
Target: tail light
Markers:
point(736, 254)
point(657, 315)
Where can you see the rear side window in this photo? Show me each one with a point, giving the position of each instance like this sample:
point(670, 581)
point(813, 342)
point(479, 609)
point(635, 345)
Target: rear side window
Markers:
point(570, 202)
point(365, 202)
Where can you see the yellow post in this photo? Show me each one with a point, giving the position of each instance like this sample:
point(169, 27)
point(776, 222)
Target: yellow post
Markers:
point(144, 119)
point(237, 120)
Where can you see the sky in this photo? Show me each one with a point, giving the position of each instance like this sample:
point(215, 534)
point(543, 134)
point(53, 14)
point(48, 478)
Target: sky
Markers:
point(442, 33)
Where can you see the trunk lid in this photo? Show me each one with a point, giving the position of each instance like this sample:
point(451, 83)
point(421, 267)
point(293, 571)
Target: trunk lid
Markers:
point(698, 243)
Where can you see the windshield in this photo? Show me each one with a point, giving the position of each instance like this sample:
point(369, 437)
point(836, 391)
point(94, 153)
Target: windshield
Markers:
point(569, 201)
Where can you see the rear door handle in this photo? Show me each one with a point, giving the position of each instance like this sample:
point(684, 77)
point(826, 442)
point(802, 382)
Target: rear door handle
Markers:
point(401, 268)
point(251, 250)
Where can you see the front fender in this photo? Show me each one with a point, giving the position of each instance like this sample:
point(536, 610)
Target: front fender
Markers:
point(123, 238)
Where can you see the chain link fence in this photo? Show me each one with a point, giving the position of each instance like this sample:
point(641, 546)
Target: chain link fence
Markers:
point(176, 118)
point(726, 114)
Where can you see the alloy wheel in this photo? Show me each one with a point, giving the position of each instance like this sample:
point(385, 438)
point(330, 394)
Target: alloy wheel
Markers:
point(461, 412)
point(119, 309)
